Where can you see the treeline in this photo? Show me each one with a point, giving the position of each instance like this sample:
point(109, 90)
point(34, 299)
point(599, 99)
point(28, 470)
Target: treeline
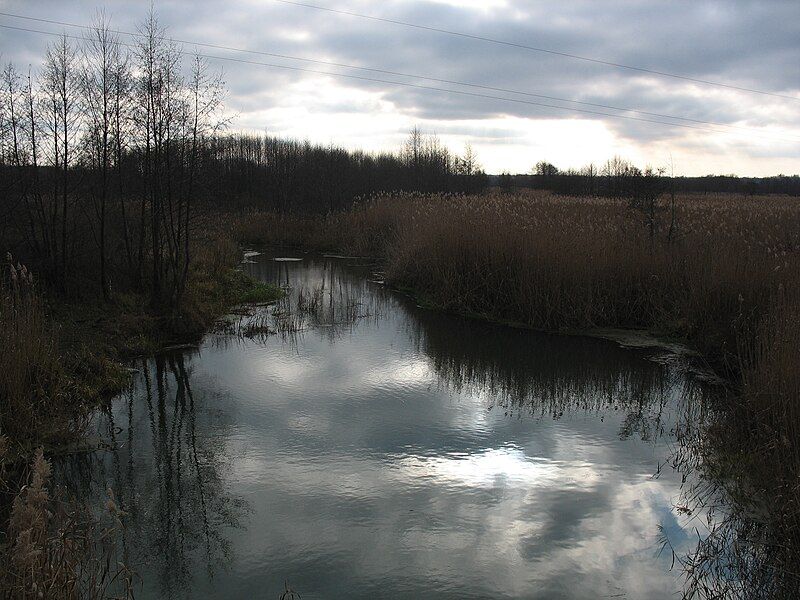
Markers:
point(111, 152)
point(270, 173)
point(618, 177)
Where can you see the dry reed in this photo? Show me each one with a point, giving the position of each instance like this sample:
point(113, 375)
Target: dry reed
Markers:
point(35, 391)
point(59, 549)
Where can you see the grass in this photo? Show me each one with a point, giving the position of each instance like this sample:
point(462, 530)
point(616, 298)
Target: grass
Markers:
point(720, 272)
point(39, 401)
point(57, 548)
point(561, 263)
point(256, 292)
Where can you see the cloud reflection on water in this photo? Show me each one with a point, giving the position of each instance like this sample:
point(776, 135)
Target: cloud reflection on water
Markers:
point(404, 455)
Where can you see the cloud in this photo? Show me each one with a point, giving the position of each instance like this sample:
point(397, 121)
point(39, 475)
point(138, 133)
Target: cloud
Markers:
point(746, 43)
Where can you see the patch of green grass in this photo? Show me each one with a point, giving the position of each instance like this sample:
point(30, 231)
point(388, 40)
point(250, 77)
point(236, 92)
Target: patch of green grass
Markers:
point(95, 375)
point(246, 290)
point(260, 293)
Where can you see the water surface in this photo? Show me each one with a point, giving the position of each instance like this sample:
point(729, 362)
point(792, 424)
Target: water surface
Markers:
point(372, 449)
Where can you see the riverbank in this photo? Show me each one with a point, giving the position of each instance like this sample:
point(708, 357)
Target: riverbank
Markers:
point(77, 347)
point(572, 264)
point(61, 360)
point(719, 273)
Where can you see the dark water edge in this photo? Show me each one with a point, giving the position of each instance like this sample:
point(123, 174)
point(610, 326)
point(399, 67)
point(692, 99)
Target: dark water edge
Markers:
point(368, 448)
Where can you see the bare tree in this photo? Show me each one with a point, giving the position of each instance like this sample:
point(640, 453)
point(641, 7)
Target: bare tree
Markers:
point(545, 169)
point(11, 128)
point(61, 91)
point(101, 60)
point(672, 206)
point(121, 121)
point(469, 162)
point(205, 91)
point(33, 132)
point(412, 149)
point(157, 66)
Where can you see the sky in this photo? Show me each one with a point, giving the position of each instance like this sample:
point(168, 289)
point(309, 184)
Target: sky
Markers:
point(752, 44)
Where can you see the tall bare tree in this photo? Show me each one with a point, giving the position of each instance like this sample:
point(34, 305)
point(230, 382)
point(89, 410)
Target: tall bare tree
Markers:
point(61, 94)
point(100, 65)
point(205, 95)
point(155, 63)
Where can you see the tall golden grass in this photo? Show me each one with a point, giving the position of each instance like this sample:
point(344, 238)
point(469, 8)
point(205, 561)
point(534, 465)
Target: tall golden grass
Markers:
point(555, 262)
point(59, 549)
point(35, 391)
point(719, 271)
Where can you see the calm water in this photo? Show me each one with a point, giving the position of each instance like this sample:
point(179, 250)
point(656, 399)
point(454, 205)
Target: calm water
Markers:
point(384, 451)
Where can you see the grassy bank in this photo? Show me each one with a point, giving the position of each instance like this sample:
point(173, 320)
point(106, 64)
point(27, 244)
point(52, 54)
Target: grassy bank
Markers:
point(720, 272)
point(64, 355)
point(558, 263)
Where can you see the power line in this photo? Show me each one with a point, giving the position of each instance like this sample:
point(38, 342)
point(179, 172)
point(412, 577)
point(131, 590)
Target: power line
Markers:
point(535, 49)
point(401, 74)
point(403, 84)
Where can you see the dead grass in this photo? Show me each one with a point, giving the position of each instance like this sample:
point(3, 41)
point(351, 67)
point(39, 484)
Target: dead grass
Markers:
point(554, 262)
point(35, 390)
point(53, 548)
point(59, 549)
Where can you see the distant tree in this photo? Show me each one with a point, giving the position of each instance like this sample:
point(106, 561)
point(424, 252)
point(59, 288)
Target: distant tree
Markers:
point(469, 162)
point(645, 189)
point(619, 174)
point(412, 149)
point(506, 182)
point(589, 173)
point(545, 169)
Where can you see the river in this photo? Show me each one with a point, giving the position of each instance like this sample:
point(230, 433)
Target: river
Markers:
point(349, 444)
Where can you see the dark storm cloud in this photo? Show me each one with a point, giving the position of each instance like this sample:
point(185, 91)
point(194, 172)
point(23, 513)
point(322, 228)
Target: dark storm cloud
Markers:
point(746, 43)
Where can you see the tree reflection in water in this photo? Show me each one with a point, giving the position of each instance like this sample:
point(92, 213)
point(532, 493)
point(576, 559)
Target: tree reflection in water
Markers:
point(733, 556)
point(167, 478)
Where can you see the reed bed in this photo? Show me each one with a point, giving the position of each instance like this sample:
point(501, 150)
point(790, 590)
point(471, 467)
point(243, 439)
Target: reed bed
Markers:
point(708, 274)
point(50, 547)
point(560, 263)
point(35, 391)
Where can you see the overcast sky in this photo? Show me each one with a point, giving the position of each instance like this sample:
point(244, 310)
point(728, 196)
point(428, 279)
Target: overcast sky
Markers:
point(750, 44)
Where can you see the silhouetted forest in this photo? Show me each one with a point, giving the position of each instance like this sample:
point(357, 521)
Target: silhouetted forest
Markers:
point(270, 173)
point(618, 177)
